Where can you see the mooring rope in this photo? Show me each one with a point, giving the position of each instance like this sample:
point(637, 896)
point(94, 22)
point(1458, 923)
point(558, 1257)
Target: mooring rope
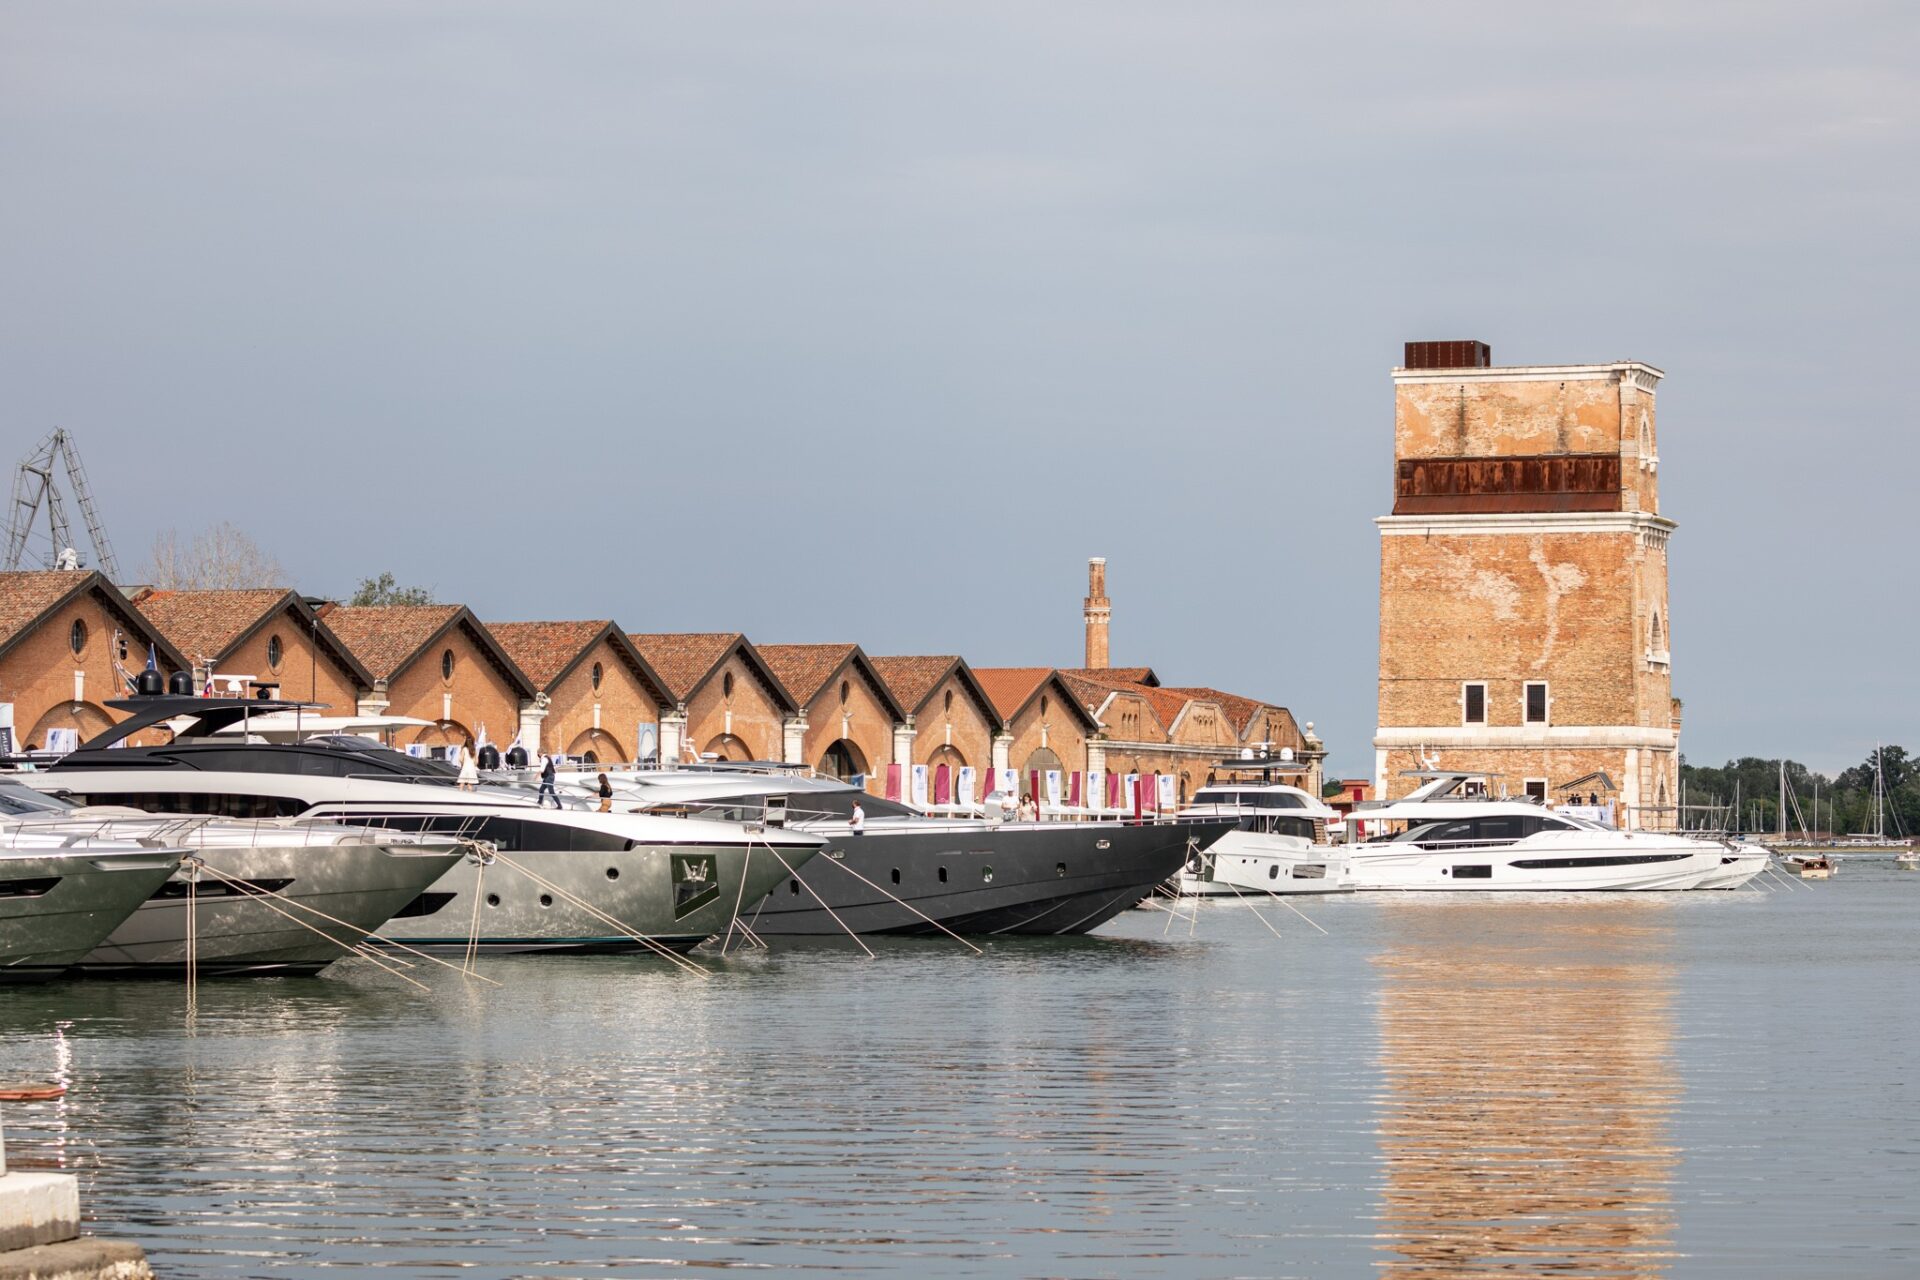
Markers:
point(358, 948)
point(263, 896)
point(1256, 911)
point(908, 905)
point(664, 951)
point(822, 901)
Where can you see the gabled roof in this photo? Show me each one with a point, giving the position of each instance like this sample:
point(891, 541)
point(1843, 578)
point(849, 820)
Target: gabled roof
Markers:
point(1240, 711)
point(686, 659)
point(209, 625)
point(388, 638)
point(549, 651)
point(913, 679)
point(28, 598)
point(807, 669)
point(1011, 689)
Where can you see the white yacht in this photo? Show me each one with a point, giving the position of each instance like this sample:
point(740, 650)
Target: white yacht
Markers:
point(1273, 848)
point(1458, 842)
point(555, 879)
point(61, 894)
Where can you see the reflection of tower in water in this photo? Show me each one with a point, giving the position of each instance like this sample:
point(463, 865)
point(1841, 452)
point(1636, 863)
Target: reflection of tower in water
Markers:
point(1529, 1079)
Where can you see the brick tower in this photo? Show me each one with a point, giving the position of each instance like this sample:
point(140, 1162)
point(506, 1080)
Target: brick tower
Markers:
point(1523, 583)
point(1098, 611)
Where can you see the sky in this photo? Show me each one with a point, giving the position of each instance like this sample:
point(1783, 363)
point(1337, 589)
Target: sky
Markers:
point(872, 321)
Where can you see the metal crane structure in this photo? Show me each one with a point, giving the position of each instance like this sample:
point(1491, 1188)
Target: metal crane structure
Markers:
point(34, 487)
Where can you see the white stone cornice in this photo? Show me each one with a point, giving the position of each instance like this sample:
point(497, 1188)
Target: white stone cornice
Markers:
point(1641, 376)
point(1460, 523)
point(1528, 737)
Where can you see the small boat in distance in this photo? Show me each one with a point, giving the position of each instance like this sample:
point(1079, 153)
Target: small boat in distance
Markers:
point(1278, 844)
point(1808, 866)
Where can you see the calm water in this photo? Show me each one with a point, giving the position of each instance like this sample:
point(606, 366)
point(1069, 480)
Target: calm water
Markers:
point(1690, 1085)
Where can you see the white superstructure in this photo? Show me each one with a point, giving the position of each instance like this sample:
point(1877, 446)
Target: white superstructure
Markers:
point(1275, 849)
point(1450, 841)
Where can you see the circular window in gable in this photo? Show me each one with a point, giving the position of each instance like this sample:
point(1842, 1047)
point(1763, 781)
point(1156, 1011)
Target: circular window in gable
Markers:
point(726, 685)
point(77, 635)
point(597, 673)
point(845, 689)
point(446, 665)
point(275, 652)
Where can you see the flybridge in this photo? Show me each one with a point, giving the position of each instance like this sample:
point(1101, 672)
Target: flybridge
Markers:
point(204, 716)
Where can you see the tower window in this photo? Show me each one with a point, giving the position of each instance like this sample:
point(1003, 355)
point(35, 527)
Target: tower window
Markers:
point(1536, 700)
point(1537, 789)
point(1473, 698)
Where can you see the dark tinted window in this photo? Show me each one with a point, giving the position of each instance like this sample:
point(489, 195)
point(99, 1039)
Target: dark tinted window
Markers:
point(219, 806)
point(1476, 704)
point(1536, 704)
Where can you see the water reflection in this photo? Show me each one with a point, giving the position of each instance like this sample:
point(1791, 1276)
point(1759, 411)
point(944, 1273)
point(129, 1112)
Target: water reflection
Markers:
point(1527, 1056)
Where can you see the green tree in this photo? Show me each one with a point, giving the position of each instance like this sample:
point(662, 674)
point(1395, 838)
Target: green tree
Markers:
point(382, 591)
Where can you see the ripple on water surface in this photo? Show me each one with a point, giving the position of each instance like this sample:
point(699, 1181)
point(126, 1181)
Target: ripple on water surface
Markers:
point(1602, 1087)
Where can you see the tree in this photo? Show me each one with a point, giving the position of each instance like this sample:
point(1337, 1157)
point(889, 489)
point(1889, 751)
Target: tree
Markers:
point(383, 591)
point(222, 558)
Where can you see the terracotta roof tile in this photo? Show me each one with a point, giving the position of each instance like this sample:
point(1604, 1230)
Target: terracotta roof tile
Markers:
point(384, 637)
point(26, 597)
point(683, 658)
point(545, 649)
point(1115, 675)
point(912, 678)
point(1010, 687)
point(1240, 711)
point(205, 624)
point(804, 668)
point(1092, 694)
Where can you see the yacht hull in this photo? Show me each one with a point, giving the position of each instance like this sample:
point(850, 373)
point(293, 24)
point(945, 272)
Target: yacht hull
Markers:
point(970, 878)
point(1736, 869)
point(529, 900)
point(238, 929)
point(1652, 865)
point(47, 928)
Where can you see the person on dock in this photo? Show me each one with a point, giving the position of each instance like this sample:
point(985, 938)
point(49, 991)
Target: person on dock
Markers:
point(547, 789)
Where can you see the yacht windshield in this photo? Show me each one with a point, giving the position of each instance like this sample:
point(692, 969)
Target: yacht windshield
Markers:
point(18, 800)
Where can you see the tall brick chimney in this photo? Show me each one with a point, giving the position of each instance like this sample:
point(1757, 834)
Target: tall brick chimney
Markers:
point(1098, 611)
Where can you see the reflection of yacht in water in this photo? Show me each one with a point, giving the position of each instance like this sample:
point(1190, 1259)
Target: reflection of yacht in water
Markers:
point(1277, 844)
point(1455, 841)
point(903, 870)
point(1537, 1144)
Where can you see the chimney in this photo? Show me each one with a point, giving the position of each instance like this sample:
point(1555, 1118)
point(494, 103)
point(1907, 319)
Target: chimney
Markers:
point(1098, 610)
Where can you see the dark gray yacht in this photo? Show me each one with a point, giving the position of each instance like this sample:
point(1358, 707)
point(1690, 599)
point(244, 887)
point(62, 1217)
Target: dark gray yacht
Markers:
point(905, 872)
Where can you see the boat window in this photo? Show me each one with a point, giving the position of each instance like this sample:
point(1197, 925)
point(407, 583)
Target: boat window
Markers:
point(17, 798)
point(218, 805)
point(1608, 860)
point(1481, 872)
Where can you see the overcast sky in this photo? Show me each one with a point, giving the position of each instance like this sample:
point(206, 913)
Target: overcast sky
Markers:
point(872, 321)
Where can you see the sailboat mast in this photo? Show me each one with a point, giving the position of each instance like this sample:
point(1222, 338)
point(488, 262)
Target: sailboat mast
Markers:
point(1783, 799)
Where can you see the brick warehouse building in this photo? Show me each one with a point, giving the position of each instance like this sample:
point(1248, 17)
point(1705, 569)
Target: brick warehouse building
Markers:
point(69, 641)
point(1524, 628)
point(598, 699)
point(267, 635)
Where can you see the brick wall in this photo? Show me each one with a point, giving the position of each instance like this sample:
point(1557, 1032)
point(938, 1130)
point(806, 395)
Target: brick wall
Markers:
point(748, 714)
point(480, 694)
point(624, 702)
point(38, 674)
point(951, 718)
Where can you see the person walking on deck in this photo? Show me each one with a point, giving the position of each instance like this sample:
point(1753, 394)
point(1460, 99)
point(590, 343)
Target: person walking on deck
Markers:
point(547, 790)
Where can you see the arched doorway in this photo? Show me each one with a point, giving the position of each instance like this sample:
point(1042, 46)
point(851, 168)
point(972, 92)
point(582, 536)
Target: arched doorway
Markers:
point(943, 768)
point(597, 746)
point(1039, 762)
point(84, 719)
point(842, 760)
point(440, 735)
point(727, 747)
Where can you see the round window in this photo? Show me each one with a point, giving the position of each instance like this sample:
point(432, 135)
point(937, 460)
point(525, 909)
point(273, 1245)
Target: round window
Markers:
point(446, 665)
point(597, 673)
point(845, 689)
point(726, 685)
point(948, 704)
point(77, 635)
point(275, 651)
